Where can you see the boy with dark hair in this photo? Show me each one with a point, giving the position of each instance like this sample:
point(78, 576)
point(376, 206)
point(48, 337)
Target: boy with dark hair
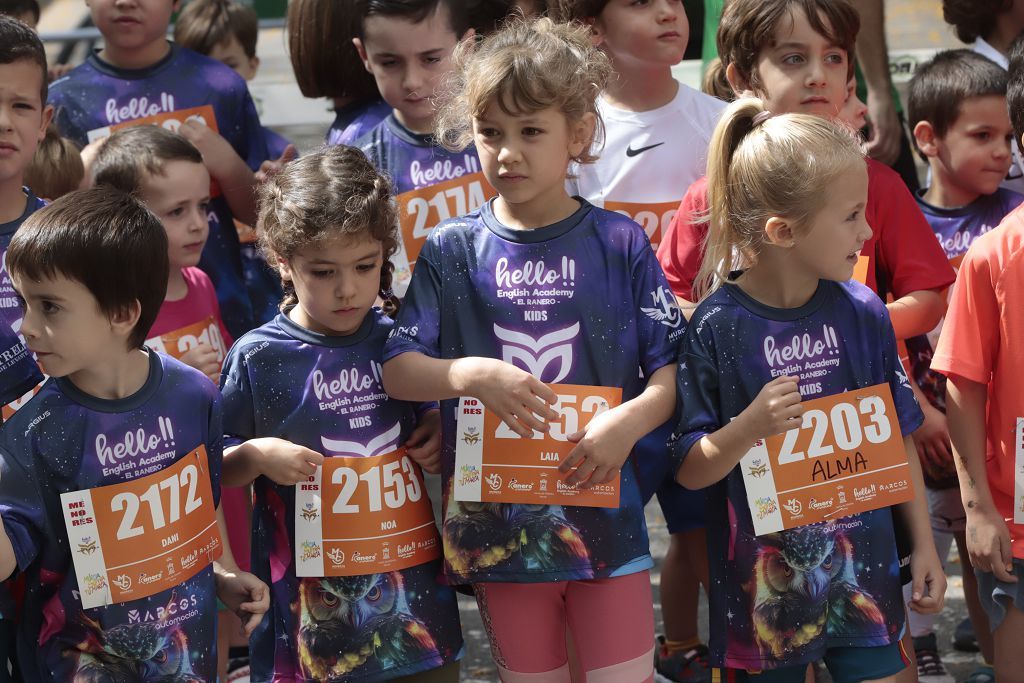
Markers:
point(85, 465)
point(407, 46)
point(979, 351)
point(25, 11)
point(139, 75)
point(957, 108)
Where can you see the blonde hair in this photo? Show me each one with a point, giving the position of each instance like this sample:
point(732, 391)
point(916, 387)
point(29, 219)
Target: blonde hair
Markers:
point(56, 167)
point(333, 193)
point(760, 166)
point(523, 68)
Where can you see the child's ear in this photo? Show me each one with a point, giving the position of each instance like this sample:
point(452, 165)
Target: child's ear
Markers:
point(597, 31)
point(737, 82)
point(779, 232)
point(45, 123)
point(468, 35)
point(581, 133)
point(123, 321)
point(924, 136)
point(285, 269)
point(254, 64)
point(361, 49)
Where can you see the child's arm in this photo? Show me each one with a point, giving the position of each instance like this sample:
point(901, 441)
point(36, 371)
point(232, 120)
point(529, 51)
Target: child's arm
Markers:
point(8, 560)
point(282, 461)
point(518, 398)
point(916, 313)
point(988, 539)
point(243, 593)
point(234, 176)
point(424, 444)
point(776, 409)
point(602, 448)
point(925, 566)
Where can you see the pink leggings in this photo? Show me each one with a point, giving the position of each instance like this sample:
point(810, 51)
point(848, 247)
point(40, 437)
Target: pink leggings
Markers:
point(611, 622)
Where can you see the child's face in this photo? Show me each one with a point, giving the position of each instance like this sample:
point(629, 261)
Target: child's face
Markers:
point(645, 32)
point(230, 53)
point(132, 24)
point(180, 198)
point(23, 117)
point(525, 157)
point(854, 112)
point(408, 60)
point(65, 327)
point(336, 283)
point(974, 155)
point(802, 72)
point(830, 245)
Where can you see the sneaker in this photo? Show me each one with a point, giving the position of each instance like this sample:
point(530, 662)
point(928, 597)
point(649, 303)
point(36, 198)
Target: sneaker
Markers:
point(930, 668)
point(964, 639)
point(682, 666)
point(983, 674)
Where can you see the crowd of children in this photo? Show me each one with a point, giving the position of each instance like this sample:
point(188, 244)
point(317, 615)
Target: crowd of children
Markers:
point(530, 261)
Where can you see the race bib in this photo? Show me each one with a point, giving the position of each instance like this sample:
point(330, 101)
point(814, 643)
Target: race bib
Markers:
point(11, 408)
point(179, 342)
point(419, 212)
point(1018, 479)
point(846, 457)
point(860, 271)
point(170, 120)
point(138, 538)
point(493, 464)
point(653, 218)
point(366, 515)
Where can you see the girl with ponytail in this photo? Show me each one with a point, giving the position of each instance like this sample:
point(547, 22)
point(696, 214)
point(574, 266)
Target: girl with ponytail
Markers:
point(780, 322)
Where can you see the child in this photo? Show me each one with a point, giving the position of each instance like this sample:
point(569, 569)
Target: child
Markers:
point(977, 353)
point(779, 255)
point(407, 47)
point(573, 294)
point(957, 107)
point(308, 383)
point(56, 167)
point(656, 132)
point(327, 64)
point(25, 11)
point(139, 74)
point(91, 270)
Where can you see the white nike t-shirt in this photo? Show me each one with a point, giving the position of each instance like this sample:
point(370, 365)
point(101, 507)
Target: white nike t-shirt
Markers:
point(649, 158)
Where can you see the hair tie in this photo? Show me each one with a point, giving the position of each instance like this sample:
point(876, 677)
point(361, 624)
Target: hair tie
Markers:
point(760, 118)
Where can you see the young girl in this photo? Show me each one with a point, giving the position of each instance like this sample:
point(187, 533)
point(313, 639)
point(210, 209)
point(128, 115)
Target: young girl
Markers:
point(351, 601)
point(780, 321)
point(539, 287)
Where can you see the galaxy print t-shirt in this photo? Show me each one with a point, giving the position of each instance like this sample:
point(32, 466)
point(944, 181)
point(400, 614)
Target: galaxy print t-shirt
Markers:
point(320, 391)
point(355, 120)
point(97, 94)
point(782, 599)
point(582, 301)
point(64, 440)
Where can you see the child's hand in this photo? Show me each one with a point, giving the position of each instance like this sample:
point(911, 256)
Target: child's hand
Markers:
point(203, 358)
point(600, 451)
point(245, 595)
point(776, 408)
point(284, 462)
point(932, 442)
point(271, 167)
point(928, 591)
point(219, 156)
point(988, 543)
point(518, 398)
point(424, 444)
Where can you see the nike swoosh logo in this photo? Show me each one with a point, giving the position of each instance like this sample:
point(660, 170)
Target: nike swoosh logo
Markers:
point(630, 152)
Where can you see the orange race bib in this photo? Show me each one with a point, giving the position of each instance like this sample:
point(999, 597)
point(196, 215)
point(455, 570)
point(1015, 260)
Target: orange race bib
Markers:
point(11, 408)
point(493, 464)
point(138, 538)
point(179, 342)
point(860, 271)
point(846, 457)
point(653, 218)
point(363, 515)
point(419, 211)
point(170, 120)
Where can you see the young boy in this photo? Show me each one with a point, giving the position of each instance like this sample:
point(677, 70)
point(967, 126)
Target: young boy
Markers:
point(137, 75)
point(24, 117)
point(656, 133)
point(407, 45)
point(977, 351)
point(957, 107)
point(119, 578)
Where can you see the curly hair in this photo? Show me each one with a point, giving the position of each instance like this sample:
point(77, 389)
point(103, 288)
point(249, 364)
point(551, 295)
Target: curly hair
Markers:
point(335, 192)
point(524, 67)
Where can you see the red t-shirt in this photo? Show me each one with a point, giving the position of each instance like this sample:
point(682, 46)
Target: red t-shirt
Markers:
point(903, 251)
point(193, 320)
